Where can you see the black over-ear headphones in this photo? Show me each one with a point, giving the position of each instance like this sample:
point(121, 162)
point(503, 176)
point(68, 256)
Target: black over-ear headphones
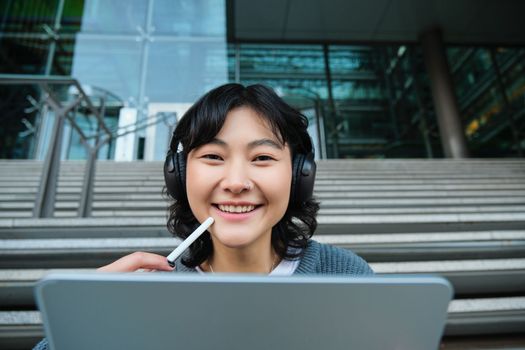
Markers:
point(303, 176)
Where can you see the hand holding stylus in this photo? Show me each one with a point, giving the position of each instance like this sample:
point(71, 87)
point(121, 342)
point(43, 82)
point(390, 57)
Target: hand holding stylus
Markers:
point(153, 262)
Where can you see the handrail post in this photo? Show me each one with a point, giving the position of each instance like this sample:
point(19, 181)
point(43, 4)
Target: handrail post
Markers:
point(86, 199)
point(45, 200)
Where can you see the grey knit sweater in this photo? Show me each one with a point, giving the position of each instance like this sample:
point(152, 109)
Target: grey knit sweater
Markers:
point(318, 258)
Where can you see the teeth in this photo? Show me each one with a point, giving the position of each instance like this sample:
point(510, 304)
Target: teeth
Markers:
point(236, 208)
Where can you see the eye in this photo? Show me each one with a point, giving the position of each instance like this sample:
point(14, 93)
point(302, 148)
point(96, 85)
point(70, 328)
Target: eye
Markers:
point(263, 158)
point(211, 157)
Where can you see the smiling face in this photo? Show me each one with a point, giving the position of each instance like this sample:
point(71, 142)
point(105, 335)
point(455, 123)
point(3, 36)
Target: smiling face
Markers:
point(242, 179)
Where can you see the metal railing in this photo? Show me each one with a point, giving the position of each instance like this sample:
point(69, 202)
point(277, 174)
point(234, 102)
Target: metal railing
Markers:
point(46, 195)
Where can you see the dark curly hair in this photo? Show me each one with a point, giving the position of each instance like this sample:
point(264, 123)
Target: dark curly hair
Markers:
point(202, 122)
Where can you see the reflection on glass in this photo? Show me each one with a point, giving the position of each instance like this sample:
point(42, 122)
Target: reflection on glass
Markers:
point(29, 16)
point(19, 121)
point(374, 111)
point(116, 16)
point(350, 59)
point(289, 69)
point(23, 55)
point(490, 84)
point(113, 65)
point(296, 59)
point(361, 91)
point(183, 71)
point(72, 15)
point(77, 149)
point(63, 58)
point(26, 31)
point(190, 17)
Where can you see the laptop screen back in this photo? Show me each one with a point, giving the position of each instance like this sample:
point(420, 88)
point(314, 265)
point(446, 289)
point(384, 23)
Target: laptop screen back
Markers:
point(176, 311)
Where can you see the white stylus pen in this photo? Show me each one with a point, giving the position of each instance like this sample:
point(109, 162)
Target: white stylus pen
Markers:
point(188, 241)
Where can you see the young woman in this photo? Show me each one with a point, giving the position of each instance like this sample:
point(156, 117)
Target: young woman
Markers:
point(242, 156)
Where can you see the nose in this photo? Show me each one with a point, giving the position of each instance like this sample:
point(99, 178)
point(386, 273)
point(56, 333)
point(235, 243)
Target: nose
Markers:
point(236, 178)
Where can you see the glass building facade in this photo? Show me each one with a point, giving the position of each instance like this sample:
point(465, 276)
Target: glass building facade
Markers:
point(155, 57)
point(147, 58)
point(490, 85)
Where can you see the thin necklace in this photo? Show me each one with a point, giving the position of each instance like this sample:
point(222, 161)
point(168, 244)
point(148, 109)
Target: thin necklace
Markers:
point(271, 268)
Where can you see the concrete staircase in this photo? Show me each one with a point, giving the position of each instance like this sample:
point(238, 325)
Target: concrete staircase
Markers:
point(462, 219)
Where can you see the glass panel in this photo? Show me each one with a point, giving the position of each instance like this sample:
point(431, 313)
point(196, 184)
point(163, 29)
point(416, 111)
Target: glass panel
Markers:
point(116, 16)
point(109, 64)
point(25, 55)
point(360, 90)
point(63, 57)
point(28, 16)
point(26, 30)
point(190, 17)
point(377, 112)
point(29, 35)
point(504, 55)
point(491, 105)
point(72, 14)
point(167, 51)
point(512, 66)
point(352, 59)
point(375, 104)
point(77, 150)
point(18, 123)
point(232, 62)
point(289, 69)
point(183, 71)
point(274, 59)
point(355, 90)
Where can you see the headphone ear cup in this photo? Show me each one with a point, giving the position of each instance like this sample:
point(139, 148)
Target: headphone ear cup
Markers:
point(296, 166)
point(303, 178)
point(181, 175)
point(175, 175)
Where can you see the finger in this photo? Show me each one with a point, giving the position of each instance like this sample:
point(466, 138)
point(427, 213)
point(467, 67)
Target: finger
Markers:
point(154, 262)
point(138, 260)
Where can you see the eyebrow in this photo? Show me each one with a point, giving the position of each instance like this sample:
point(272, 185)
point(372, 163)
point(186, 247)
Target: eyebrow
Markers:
point(251, 145)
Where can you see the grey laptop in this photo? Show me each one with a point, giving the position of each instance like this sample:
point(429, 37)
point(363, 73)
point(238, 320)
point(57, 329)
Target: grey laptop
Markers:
point(177, 311)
